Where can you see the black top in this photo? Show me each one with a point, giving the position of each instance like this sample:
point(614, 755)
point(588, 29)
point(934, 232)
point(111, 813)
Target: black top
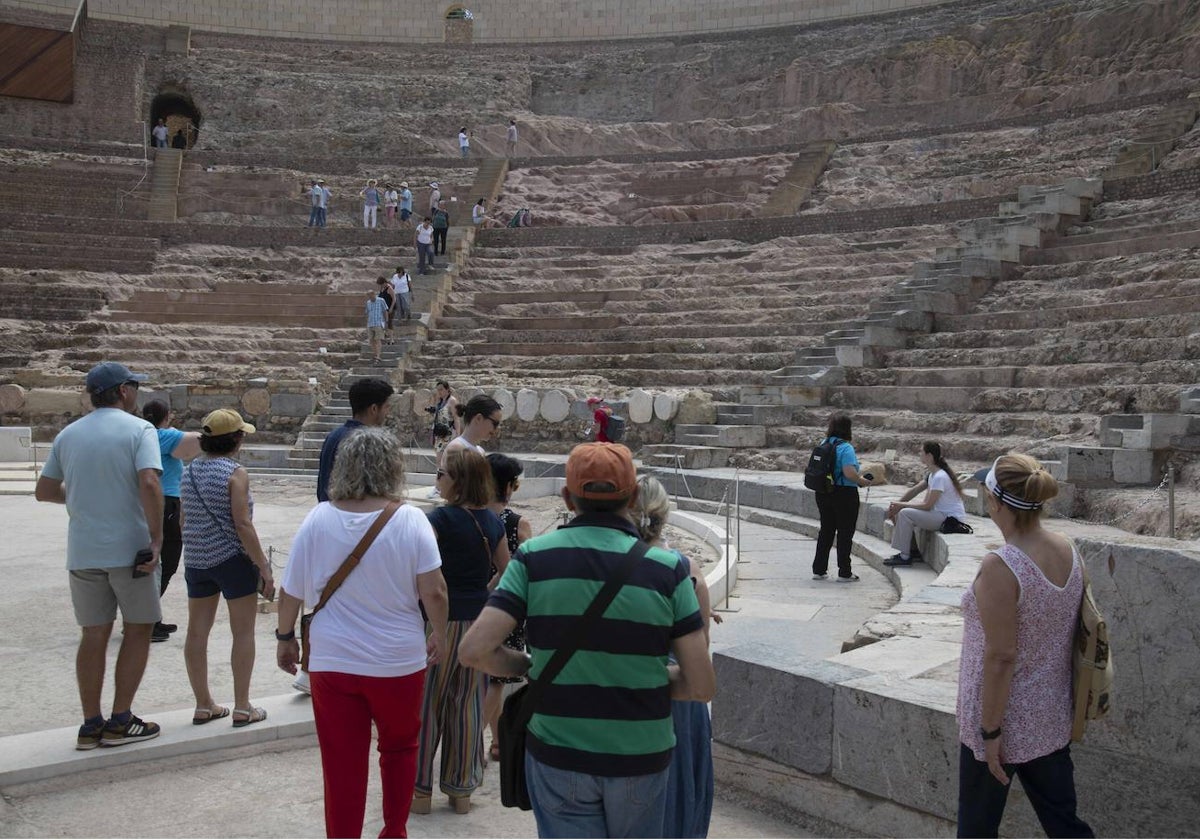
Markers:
point(466, 562)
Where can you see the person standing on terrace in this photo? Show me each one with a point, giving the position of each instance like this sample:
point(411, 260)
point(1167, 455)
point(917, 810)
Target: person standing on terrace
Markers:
point(511, 137)
point(464, 142)
point(371, 199)
point(160, 133)
point(406, 203)
point(376, 322)
point(424, 243)
point(441, 227)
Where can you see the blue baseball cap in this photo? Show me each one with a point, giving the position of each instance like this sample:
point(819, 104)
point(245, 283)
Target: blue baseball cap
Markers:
point(109, 375)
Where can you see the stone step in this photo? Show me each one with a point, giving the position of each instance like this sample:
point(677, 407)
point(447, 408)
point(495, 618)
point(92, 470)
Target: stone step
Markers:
point(1055, 318)
point(735, 414)
point(722, 436)
point(684, 457)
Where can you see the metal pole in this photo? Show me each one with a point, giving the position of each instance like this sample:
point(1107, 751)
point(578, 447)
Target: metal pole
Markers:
point(737, 500)
point(1171, 499)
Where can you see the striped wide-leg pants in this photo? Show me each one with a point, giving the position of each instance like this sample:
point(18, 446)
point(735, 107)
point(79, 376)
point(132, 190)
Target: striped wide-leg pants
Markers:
point(452, 714)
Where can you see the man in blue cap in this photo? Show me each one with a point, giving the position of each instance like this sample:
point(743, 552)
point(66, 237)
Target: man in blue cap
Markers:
point(105, 468)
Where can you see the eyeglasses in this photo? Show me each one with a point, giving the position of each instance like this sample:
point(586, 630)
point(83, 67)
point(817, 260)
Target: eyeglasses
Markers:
point(132, 384)
point(495, 423)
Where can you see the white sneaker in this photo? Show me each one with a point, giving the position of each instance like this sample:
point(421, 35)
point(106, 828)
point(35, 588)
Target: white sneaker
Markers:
point(301, 683)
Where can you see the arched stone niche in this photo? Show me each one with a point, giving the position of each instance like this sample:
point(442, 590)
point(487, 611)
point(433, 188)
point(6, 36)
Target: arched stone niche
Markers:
point(460, 25)
point(174, 105)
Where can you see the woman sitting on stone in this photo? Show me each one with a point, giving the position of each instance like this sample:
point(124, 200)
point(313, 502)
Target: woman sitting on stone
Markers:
point(943, 498)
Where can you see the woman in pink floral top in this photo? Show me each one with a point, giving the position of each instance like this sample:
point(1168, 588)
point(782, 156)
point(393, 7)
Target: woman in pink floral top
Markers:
point(1014, 684)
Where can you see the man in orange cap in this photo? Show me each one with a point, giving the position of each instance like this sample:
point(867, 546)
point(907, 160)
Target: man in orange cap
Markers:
point(601, 727)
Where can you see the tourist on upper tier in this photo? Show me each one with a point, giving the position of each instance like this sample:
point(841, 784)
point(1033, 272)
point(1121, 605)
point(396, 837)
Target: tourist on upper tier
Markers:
point(424, 243)
point(1014, 685)
point(479, 420)
point(371, 200)
point(839, 508)
point(160, 133)
point(464, 142)
point(179, 141)
point(402, 289)
point(506, 479)
point(435, 197)
point(479, 213)
point(390, 199)
point(222, 557)
point(315, 196)
point(104, 467)
point(369, 648)
point(601, 413)
point(590, 779)
point(511, 137)
point(319, 195)
point(690, 776)
point(175, 447)
point(943, 498)
point(406, 202)
point(376, 322)
point(446, 422)
point(471, 542)
point(441, 227)
point(388, 297)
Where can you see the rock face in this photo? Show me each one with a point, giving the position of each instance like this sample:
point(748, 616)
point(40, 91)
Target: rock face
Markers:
point(696, 407)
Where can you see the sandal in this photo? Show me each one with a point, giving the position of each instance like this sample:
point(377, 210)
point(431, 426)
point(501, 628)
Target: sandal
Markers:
point(254, 714)
point(203, 716)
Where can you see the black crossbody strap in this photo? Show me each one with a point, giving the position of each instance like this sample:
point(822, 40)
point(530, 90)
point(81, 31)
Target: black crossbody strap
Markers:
point(582, 627)
point(200, 497)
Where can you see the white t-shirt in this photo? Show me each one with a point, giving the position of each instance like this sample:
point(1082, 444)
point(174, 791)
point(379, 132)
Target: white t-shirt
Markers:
point(949, 503)
point(160, 132)
point(390, 198)
point(372, 626)
point(512, 133)
point(463, 142)
point(478, 214)
point(424, 233)
point(400, 283)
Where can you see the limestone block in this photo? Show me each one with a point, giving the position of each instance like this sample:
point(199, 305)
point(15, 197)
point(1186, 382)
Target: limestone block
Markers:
point(1134, 466)
point(47, 401)
point(465, 394)
point(528, 403)
point(696, 408)
point(641, 406)
point(204, 403)
point(179, 398)
point(16, 443)
point(258, 382)
point(421, 398)
point(1189, 400)
point(256, 401)
point(805, 395)
point(580, 410)
point(293, 405)
point(402, 403)
point(508, 404)
point(555, 406)
point(665, 406)
point(12, 399)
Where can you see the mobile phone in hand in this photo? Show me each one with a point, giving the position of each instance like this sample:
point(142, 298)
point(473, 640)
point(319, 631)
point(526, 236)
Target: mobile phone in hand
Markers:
point(145, 555)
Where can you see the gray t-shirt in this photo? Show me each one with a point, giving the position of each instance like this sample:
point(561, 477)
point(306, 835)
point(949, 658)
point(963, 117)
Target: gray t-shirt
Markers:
point(98, 458)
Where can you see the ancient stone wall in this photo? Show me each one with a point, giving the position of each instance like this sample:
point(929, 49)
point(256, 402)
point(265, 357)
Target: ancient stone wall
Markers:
point(1157, 183)
point(494, 20)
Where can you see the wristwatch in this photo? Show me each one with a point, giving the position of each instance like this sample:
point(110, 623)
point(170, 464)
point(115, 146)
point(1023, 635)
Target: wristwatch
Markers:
point(289, 636)
point(989, 735)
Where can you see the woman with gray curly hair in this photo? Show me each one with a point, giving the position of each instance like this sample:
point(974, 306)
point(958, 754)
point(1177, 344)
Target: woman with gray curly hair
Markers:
point(690, 776)
point(368, 645)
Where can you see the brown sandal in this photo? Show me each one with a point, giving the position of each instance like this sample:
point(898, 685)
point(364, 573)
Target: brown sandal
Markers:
point(254, 714)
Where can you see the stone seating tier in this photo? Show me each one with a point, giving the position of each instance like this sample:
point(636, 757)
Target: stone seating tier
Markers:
point(89, 190)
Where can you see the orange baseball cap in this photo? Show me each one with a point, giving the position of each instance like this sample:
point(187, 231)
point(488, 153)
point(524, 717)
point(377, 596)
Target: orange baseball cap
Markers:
point(601, 463)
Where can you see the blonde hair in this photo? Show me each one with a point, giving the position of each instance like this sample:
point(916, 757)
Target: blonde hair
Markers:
point(369, 463)
point(470, 475)
point(651, 508)
point(1025, 477)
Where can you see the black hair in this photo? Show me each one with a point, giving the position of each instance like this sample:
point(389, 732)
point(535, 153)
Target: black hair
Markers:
point(932, 447)
point(442, 383)
point(156, 411)
point(505, 470)
point(221, 444)
point(839, 426)
point(478, 404)
point(106, 398)
point(379, 281)
point(599, 505)
point(368, 392)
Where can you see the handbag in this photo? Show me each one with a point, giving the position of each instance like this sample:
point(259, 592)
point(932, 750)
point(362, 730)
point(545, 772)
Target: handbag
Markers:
point(1091, 664)
point(954, 525)
point(520, 706)
point(339, 577)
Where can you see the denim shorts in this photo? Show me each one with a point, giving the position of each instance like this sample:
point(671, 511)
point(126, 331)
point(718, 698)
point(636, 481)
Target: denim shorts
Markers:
point(236, 577)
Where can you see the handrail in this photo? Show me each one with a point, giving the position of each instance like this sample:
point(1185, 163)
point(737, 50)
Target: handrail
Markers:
point(80, 14)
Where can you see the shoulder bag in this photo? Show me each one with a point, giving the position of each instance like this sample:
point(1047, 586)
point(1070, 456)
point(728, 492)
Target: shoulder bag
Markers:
point(1091, 663)
point(520, 706)
point(339, 577)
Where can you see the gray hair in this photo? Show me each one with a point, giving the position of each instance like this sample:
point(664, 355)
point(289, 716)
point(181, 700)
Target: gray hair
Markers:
point(651, 508)
point(369, 462)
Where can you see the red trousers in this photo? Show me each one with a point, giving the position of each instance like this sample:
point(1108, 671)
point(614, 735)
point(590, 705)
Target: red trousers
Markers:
point(344, 707)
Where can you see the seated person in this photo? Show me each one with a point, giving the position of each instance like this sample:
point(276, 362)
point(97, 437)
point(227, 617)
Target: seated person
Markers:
point(943, 498)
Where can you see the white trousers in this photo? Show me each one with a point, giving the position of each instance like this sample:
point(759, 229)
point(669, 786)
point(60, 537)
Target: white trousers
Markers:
point(370, 214)
point(910, 519)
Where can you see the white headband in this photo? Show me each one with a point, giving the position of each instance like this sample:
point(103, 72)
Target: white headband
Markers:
point(1015, 502)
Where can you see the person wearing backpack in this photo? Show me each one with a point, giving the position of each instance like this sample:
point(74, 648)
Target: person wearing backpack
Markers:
point(943, 499)
point(1015, 707)
point(838, 504)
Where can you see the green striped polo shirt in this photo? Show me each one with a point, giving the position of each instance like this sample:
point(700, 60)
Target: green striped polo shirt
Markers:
point(608, 712)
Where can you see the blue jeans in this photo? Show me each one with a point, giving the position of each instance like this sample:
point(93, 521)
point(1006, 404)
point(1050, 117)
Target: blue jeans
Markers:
point(314, 216)
point(570, 804)
point(424, 256)
point(321, 217)
point(1049, 783)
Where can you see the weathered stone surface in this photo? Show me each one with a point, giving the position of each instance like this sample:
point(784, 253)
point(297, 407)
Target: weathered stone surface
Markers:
point(256, 401)
point(293, 405)
point(580, 410)
point(47, 401)
point(402, 403)
point(508, 404)
point(696, 408)
point(421, 397)
point(12, 398)
point(641, 406)
point(665, 406)
point(179, 398)
point(528, 402)
point(1189, 400)
point(555, 406)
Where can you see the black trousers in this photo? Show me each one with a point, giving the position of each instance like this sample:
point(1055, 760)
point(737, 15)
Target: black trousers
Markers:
point(172, 544)
point(439, 240)
point(1049, 782)
point(839, 518)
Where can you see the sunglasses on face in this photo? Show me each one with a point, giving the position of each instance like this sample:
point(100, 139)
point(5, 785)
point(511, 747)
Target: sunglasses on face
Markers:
point(495, 423)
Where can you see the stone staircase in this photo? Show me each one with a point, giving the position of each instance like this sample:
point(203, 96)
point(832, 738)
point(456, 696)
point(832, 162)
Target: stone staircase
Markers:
point(489, 182)
point(164, 185)
point(801, 177)
point(1154, 141)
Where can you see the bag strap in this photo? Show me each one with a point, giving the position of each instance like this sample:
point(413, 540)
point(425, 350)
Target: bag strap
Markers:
point(581, 629)
point(200, 497)
point(351, 561)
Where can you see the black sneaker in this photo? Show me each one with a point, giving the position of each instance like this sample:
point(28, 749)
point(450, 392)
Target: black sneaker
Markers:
point(133, 730)
point(157, 635)
point(89, 737)
point(166, 628)
point(898, 560)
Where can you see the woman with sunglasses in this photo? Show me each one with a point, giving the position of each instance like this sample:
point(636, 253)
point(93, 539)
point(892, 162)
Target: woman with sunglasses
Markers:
point(480, 421)
point(471, 542)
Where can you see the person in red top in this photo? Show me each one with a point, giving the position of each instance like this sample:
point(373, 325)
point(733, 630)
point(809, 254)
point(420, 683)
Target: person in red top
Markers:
point(600, 418)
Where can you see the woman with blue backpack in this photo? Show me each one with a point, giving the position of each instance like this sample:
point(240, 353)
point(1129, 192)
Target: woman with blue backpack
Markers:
point(837, 498)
